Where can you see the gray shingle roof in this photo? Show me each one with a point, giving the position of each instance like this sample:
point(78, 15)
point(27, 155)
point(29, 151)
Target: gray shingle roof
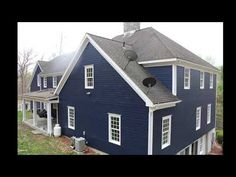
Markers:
point(137, 73)
point(150, 44)
point(41, 94)
point(56, 65)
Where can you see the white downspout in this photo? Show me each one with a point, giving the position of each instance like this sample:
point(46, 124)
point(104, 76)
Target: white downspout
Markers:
point(150, 131)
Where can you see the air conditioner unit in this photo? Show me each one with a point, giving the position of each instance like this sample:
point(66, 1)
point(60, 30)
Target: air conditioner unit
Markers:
point(80, 144)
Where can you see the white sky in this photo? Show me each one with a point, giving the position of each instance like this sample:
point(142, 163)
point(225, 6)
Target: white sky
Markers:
point(203, 39)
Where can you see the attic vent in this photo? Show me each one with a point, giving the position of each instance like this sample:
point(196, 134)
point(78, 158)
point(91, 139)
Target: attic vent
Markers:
point(130, 55)
point(149, 82)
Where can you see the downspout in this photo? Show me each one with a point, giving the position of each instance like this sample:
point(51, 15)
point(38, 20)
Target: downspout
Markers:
point(150, 131)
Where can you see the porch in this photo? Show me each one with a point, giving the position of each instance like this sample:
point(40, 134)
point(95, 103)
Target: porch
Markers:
point(42, 100)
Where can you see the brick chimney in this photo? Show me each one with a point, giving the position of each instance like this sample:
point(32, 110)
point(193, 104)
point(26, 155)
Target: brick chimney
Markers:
point(130, 28)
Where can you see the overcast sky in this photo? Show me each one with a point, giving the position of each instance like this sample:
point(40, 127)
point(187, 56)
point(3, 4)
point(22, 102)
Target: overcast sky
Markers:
point(203, 39)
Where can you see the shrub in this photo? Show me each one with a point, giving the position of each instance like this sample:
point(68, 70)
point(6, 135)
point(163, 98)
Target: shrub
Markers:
point(219, 136)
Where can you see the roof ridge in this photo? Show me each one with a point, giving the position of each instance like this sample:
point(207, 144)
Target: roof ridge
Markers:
point(154, 32)
point(110, 39)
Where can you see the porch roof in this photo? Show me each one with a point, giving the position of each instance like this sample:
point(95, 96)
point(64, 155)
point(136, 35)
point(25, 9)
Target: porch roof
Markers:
point(44, 95)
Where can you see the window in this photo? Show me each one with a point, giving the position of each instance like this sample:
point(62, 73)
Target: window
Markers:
point(201, 80)
point(71, 117)
point(114, 128)
point(54, 81)
point(89, 77)
point(185, 151)
point(186, 78)
point(38, 80)
point(208, 113)
point(44, 105)
point(201, 145)
point(166, 131)
point(198, 118)
point(211, 81)
point(45, 82)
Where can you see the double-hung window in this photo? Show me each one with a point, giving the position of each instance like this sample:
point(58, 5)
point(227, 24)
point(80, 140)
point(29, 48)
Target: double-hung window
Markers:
point(198, 118)
point(89, 76)
point(38, 80)
point(54, 81)
point(45, 82)
point(208, 113)
point(201, 145)
point(211, 81)
point(71, 117)
point(114, 128)
point(186, 78)
point(201, 80)
point(166, 131)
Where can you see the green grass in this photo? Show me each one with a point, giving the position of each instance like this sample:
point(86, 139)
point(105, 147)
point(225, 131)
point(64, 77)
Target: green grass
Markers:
point(31, 144)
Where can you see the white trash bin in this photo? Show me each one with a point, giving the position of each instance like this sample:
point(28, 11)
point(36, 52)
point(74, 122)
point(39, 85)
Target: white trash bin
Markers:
point(57, 130)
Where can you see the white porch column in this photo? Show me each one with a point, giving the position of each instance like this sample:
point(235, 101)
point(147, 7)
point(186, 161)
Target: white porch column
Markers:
point(34, 112)
point(49, 119)
point(23, 110)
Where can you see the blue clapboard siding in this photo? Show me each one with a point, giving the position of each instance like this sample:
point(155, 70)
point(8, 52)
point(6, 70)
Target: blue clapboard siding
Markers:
point(34, 86)
point(163, 74)
point(111, 94)
point(183, 128)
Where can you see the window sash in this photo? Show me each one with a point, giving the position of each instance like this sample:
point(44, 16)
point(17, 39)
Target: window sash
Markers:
point(71, 117)
point(211, 81)
point(198, 118)
point(114, 128)
point(54, 81)
point(202, 80)
point(186, 78)
point(166, 131)
point(208, 113)
point(38, 80)
point(45, 82)
point(89, 76)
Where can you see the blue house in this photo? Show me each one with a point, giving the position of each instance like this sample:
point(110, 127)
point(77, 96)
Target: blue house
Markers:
point(138, 93)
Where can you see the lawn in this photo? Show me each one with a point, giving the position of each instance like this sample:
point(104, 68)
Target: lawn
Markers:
point(31, 144)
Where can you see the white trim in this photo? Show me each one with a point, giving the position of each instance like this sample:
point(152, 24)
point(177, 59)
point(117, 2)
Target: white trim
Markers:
point(68, 117)
point(23, 110)
point(189, 78)
point(85, 76)
point(158, 61)
point(53, 81)
point(203, 79)
point(190, 150)
point(211, 78)
point(174, 80)
point(49, 119)
point(85, 41)
point(109, 128)
point(208, 113)
point(200, 115)
point(34, 112)
point(150, 131)
point(164, 105)
point(169, 132)
point(179, 62)
point(51, 74)
point(45, 82)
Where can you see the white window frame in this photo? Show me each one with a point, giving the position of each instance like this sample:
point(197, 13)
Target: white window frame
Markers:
point(44, 105)
point(202, 80)
point(38, 80)
point(45, 82)
point(109, 128)
point(189, 76)
point(68, 117)
point(54, 81)
point(201, 144)
point(211, 81)
point(85, 76)
point(198, 126)
point(208, 113)
point(169, 132)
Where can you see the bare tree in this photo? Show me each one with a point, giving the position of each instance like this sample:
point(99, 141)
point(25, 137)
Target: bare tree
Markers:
point(210, 60)
point(24, 61)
